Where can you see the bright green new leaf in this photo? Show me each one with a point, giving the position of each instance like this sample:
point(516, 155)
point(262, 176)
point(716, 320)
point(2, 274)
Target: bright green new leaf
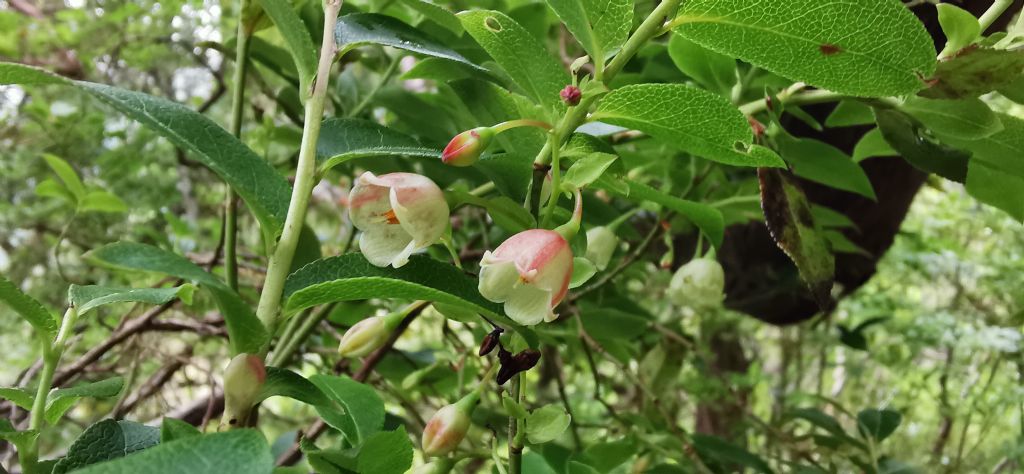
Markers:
point(18, 396)
point(386, 452)
point(358, 29)
point(362, 410)
point(870, 48)
point(968, 119)
point(285, 383)
point(50, 188)
point(66, 174)
point(87, 298)
point(694, 120)
point(59, 401)
point(714, 71)
point(960, 27)
point(30, 309)
point(245, 331)
point(261, 187)
point(242, 451)
point(102, 201)
point(823, 163)
point(344, 139)
point(586, 170)
point(519, 53)
point(546, 423)
point(297, 37)
point(601, 26)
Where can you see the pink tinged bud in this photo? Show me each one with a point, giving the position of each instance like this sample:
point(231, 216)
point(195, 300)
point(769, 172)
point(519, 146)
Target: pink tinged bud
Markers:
point(699, 284)
point(447, 428)
point(571, 95)
point(243, 381)
point(530, 273)
point(399, 214)
point(601, 243)
point(364, 337)
point(466, 148)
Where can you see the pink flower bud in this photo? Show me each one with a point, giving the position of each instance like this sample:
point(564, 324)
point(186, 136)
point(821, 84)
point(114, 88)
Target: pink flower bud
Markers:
point(571, 95)
point(364, 337)
point(448, 426)
point(530, 273)
point(467, 146)
point(399, 214)
point(699, 284)
point(243, 381)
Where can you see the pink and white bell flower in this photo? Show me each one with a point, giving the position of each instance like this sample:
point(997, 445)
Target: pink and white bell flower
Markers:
point(399, 214)
point(530, 273)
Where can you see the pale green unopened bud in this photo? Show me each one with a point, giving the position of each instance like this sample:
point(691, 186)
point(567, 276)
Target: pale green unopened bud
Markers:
point(698, 284)
point(601, 243)
point(438, 466)
point(243, 381)
point(364, 337)
point(449, 426)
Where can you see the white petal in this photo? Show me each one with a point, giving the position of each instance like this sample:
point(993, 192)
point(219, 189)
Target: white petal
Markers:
point(422, 212)
point(368, 201)
point(529, 305)
point(497, 278)
point(382, 245)
point(403, 257)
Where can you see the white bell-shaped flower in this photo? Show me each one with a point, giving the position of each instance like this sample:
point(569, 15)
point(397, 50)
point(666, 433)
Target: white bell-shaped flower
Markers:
point(398, 214)
point(699, 284)
point(530, 273)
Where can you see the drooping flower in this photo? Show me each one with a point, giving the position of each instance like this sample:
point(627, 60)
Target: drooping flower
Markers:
point(699, 284)
point(399, 214)
point(601, 243)
point(530, 273)
point(466, 148)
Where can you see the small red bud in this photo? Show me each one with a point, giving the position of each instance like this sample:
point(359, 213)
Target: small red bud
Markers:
point(466, 148)
point(571, 95)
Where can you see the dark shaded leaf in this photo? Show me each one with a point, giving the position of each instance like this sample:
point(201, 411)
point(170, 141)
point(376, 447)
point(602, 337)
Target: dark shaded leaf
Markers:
point(920, 149)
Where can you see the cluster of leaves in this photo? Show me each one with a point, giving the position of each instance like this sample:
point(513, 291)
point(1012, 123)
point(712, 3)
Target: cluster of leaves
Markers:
point(683, 128)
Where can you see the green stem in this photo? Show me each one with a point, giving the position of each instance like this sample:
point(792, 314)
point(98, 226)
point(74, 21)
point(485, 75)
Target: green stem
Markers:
point(305, 172)
point(503, 126)
point(803, 98)
point(515, 449)
point(993, 13)
point(288, 346)
point(237, 105)
point(51, 358)
point(554, 143)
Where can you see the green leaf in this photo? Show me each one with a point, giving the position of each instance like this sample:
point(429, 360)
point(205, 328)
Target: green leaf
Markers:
point(87, 298)
point(919, 148)
point(792, 226)
point(245, 331)
point(508, 214)
point(30, 309)
point(106, 440)
point(714, 71)
point(102, 201)
point(265, 191)
point(850, 113)
point(285, 383)
point(358, 29)
point(610, 324)
point(546, 423)
point(173, 429)
point(51, 188)
point(609, 455)
point(996, 169)
point(873, 49)
point(818, 418)
point(975, 71)
point(892, 466)
point(586, 170)
point(60, 401)
point(20, 439)
point(362, 412)
point(344, 139)
point(694, 120)
point(351, 277)
point(968, 119)
point(440, 70)
point(840, 243)
point(240, 451)
point(18, 396)
point(871, 145)
point(438, 14)
point(823, 163)
point(960, 27)
point(827, 217)
point(513, 408)
point(878, 424)
point(705, 217)
point(718, 451)
point(297, 37)
point(387, 452)
point(601, 26)
point(995, 187)
point(66, 173)
point(582, 271)
point(519, 53)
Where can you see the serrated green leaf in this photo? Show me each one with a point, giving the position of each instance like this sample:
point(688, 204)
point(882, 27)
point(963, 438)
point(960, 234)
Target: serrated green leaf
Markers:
point(265, 191)
point(870, 48)
point(351, 277)
point(694, 120)
point(519, 53)
point(285, 383)
point(974, 71)
point(296, 36)
point(546, 423)
point(878, 424)
point(960, 27)
point(241, 451)
point(67, 175)
point(107, 440)
point(18, 396)
point(362, 412)
point(823, 163)
point(245, 331)
point(919, 148)
point(343, 139)
point(173, 429)
point(586, 170)
point(601, 26)
point(714, 71)
point(30, 309)
point(387, 452)
point(358, 29)
point(102, 201)
point(792, 226)
point(708, 219)
point(87, 298)
point(967, 119)
point(60, 401)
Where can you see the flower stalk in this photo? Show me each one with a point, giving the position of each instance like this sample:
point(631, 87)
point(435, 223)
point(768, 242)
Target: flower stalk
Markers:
point(52, 353)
